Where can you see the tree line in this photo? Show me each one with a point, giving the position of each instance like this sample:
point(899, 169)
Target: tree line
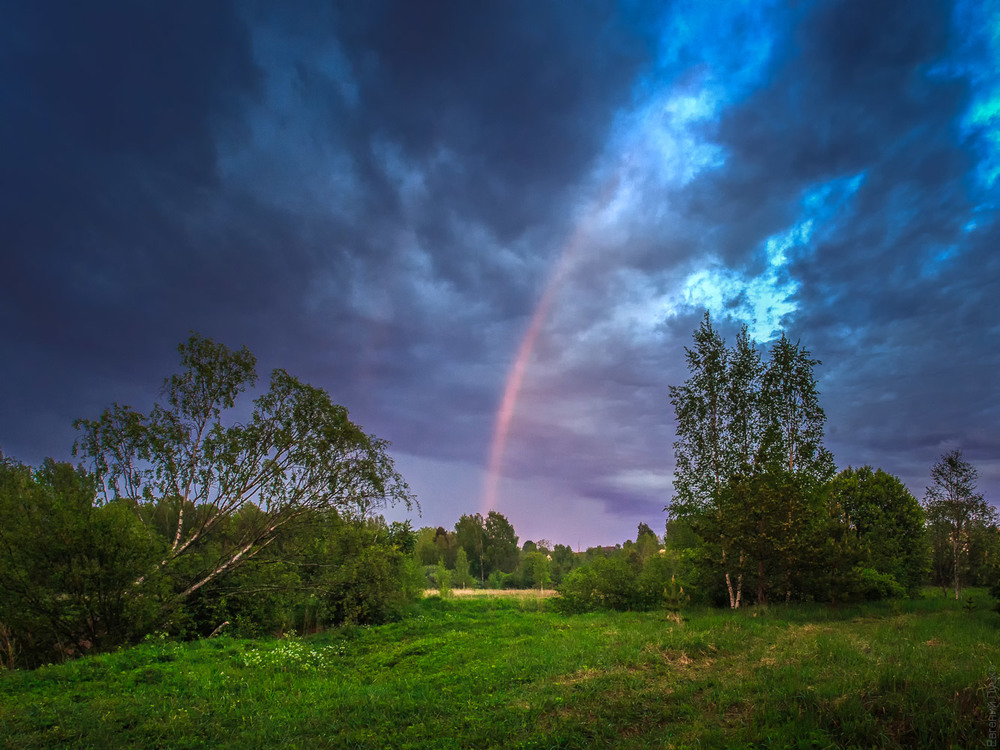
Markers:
point(766, 516)
point(185, 520)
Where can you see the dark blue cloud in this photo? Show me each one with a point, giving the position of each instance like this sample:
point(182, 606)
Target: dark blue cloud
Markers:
point(377, 196)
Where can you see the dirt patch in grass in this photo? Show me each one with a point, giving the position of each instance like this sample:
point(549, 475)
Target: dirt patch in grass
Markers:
point(581, 675)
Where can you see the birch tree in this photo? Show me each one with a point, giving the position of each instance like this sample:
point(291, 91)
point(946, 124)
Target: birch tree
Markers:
point(749, 446)
point(744, 386)
point(700, 406)
point(702, 454)
point(792, 417)
point(298, 452)
point(952, 501)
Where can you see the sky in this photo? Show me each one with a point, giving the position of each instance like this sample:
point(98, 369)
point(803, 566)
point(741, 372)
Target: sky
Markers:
point(490, 229)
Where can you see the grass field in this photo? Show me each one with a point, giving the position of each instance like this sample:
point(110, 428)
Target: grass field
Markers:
point(502, 672)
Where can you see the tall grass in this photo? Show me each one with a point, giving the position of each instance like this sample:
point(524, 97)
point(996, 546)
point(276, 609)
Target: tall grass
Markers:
point(498, 672)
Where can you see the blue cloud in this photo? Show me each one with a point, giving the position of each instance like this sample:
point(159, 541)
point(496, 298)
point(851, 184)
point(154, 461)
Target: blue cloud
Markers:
point(764, 300)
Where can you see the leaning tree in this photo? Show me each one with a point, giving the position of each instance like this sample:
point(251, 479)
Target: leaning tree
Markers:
point(296, 453)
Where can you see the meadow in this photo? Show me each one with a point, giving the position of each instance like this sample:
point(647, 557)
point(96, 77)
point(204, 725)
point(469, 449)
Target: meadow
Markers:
point(479, 672)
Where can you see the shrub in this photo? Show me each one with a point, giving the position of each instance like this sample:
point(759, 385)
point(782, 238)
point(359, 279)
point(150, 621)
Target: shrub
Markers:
point(66, 565)
point(605, 583)
point(875, 585)
point(662, 584)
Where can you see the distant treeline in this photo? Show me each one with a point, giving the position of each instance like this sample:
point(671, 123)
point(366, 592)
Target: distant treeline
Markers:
point(185, 522)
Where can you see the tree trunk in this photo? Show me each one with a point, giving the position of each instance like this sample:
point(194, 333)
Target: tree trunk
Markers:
point(734, 596)
point(739, 583)
point(954, 547)
point(760, 581)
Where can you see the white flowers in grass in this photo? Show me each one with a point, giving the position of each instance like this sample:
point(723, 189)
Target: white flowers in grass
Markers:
point(293, 655)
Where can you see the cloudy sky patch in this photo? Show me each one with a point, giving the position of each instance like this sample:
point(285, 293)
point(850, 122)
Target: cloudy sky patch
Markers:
point(458, 217)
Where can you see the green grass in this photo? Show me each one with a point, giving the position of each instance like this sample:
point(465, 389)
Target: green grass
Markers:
point(492, 672)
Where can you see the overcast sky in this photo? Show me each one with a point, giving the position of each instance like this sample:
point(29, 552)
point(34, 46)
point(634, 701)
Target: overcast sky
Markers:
point(490, 228)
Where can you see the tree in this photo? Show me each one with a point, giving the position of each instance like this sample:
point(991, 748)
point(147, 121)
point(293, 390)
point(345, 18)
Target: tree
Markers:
point(646, 543)
point(490, 543)
point(563, 559)
point(700, 407)
point(66, 564)
point(446, 546)
point(443, 580)
point(952, 501)
point(297, 453)
point(702, 464)
point(425, 550)
point(502, 552)
point(884, 522)
point(776, 517)
point(535, 570)
point(792, 417)
point(744, 433)
point(470, 534)
point(744, 385)
point(462, 578)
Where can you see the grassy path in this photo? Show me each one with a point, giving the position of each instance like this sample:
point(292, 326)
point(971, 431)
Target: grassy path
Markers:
point(499, 672)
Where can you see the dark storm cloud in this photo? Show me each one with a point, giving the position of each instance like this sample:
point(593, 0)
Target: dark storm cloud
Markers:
point(521, 94)
point(128, 226)
point(107, 148)
point(891, 290)
point(376, 196)
point(465, 132)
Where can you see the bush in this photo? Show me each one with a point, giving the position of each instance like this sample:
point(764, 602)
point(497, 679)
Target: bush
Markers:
point(874, 585)
point(605, 583)
point(366, 588)
point(661, 582)
point(623, 582)
point(66, 565)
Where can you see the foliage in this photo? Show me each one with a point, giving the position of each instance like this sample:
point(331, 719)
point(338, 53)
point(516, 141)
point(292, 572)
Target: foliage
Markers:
point(297, 453)
point(792, 417)
point(563, 561)
point(501, 543)
point(66, 564)
point(700, 405)
point(443, 576)
point(190, 522)
point(605, 583)
point(646, 543)
point(954, 505)
point(361, 573)
point(749, 461)
point(874, 584)
point(470, 534)
point(886, 524)
point(490, 543)
point(535, 570)
point(623, 581)
point(425, 550)
point(462, 577)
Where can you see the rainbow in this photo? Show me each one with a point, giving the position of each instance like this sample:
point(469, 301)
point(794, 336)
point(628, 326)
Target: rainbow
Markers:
point(515, 378)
